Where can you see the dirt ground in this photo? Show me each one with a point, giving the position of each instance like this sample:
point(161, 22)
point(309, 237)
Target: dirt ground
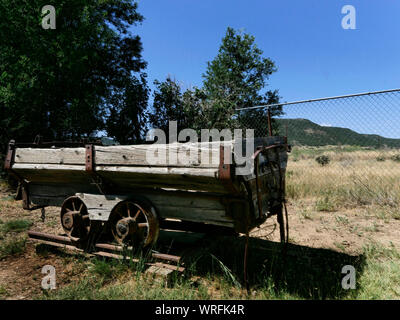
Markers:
point(342, 231)
point(20, 275)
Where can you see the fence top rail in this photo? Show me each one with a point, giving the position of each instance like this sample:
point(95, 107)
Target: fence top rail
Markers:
point(319, 99)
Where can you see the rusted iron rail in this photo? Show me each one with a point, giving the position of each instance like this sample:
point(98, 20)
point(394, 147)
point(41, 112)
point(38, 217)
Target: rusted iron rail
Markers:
point(105, 250)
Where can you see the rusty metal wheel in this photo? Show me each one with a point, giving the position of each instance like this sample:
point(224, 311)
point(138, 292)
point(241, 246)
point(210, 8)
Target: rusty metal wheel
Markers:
point(134, 222)
point(75, 219)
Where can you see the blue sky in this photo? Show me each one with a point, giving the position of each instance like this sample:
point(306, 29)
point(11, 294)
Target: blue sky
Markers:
point(315, 56)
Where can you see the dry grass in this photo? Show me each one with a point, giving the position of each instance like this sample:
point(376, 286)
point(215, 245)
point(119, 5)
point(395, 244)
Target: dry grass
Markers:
point(350, 180)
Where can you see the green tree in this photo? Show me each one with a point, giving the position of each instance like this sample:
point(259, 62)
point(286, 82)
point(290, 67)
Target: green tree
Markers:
point(171, 104)
point(167, 105)
point(61, 83)
point(257, 118)
point(127, 119)
point(234, 80)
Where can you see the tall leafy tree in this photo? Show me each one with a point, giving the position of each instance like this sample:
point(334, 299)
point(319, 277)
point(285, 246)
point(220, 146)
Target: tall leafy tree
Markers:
point(167, 105)
point(234, 80)
point(172, 104)
point(127, 119)
point(61, 83)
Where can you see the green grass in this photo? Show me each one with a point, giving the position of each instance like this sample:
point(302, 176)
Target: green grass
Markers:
point(102, 268)
point(92, 289)
point(110, 280)
point(342, 220)
point(16, 226)
point(325, 204)
point(3, 292)
point(12, 246)
point(108, 269)
point(381, 276)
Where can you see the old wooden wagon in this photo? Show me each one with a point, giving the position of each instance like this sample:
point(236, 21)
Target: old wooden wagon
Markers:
point(118, 192)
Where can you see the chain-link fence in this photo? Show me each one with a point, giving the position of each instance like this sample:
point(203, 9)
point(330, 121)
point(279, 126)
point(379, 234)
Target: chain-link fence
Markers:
point(346, 150)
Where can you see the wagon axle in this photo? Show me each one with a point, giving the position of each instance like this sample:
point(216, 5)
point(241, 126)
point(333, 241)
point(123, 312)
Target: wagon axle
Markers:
point(128, 226)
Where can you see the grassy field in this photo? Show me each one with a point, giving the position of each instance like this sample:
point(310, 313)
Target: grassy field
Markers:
point(354, 177)
point(343, 213)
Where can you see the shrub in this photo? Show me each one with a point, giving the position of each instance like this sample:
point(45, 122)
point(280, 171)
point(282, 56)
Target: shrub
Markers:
point(323, 160)
point(380, 158)
point(396, 158)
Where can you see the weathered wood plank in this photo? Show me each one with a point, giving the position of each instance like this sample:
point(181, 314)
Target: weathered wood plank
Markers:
point(167, 206)
point(48, 167)
point(174, 155)
point(177, 154)
point(39, 173)
point(194, 214)
point(192, 207)
point(50, 156)
point(69, 169)
point(203, 172)
point(195, 200)
point(60, 190)
point(183, 178)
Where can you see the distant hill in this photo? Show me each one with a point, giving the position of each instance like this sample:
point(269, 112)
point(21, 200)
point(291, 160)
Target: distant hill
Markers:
point(307, 133)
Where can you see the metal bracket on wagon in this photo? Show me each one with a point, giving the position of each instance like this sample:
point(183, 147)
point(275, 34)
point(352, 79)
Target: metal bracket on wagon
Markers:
point(90, 167)
point(224, 170)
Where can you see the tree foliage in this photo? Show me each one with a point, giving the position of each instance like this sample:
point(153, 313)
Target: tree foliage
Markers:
point(172, 104)
point(127, 118)
point(235, 79)
point(64, 83)
point(167, 105)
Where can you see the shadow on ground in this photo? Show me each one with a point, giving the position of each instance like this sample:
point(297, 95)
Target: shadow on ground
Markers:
point(304, 271)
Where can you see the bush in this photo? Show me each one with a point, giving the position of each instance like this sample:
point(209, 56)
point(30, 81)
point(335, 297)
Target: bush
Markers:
point(323, 160)
point(380, 158)
point(396, 158)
